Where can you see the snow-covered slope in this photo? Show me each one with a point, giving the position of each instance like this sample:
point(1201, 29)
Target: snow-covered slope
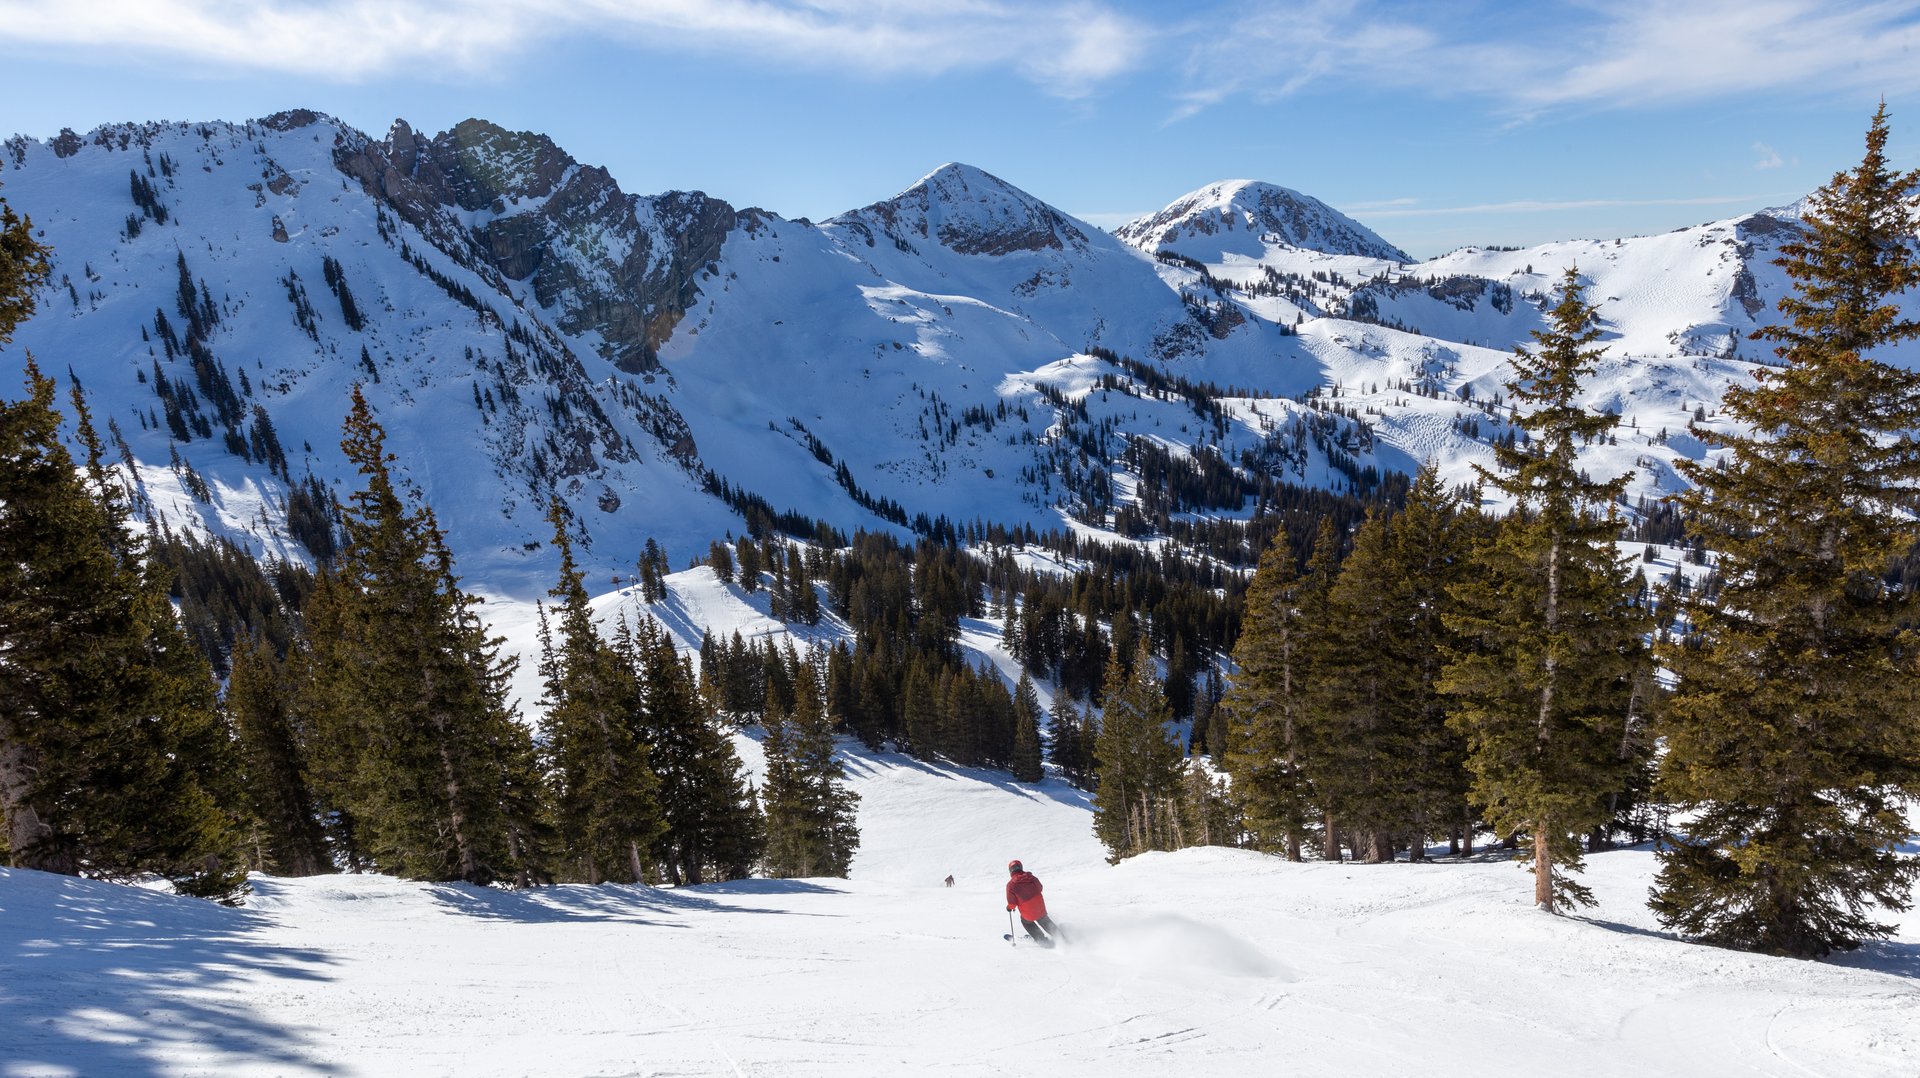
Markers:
point(1206, 961)
point(527, 331)
point(299, 283)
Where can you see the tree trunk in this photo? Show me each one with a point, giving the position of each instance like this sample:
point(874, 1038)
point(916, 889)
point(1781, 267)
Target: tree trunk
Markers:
point(634, 864)
point(1542, 870)
point(1329, 838)
point(457, 817)
point(1293, 846)
point(26, 830)
point(1379, 848)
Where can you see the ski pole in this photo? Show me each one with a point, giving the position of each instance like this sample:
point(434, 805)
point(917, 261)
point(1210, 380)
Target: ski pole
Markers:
point(1011, 942)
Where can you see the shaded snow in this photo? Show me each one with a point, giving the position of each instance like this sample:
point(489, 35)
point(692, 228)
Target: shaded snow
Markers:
point(1209, 960)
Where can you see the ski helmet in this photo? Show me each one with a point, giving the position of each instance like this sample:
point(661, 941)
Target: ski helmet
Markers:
point(1014, 866)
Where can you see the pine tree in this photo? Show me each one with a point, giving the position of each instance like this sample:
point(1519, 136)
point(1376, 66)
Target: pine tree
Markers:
point(595, 740)
point(1063, 748)
point(416, 746)
point(1263, 705)
point(1433, 541)
point(1208, 815)
point(1137, 784)
point(260, 702)
point(1314, 599)
point(1549, 638)
point(811, 827)
point(1362, 727)
point(1793, 743)
point(24, 267)
point(114, 756)
point(711, 824)
point(1026, 732)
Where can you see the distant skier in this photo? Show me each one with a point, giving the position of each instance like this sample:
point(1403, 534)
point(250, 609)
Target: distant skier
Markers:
point(949, 881)
point(1023, 894)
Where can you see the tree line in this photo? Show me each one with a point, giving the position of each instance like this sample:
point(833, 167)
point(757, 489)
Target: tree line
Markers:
point(365, 722)
point(1456, 672)
point(1408, 669)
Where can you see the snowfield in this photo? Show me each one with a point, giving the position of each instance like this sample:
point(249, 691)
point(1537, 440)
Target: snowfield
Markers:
point(1208, 961)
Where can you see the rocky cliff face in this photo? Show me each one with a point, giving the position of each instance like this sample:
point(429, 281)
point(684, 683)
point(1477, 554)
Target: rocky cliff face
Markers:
point(623, 267)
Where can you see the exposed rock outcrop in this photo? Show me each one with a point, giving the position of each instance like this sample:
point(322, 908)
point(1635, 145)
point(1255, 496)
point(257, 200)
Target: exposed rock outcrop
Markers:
point(624, 267)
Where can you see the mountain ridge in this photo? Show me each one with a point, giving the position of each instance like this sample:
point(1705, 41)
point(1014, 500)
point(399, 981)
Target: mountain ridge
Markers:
point(963, 350)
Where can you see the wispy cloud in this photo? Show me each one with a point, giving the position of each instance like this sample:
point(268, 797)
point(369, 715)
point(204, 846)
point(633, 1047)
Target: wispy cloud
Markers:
point(1558, 205)
point(1379, 205)
point(1768, 157)
point(1067, 49)
point(1565, 53)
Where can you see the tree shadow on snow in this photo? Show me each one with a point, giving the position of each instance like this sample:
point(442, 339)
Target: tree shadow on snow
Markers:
point(1896, 957)
point(603, 903)
point(101, 978)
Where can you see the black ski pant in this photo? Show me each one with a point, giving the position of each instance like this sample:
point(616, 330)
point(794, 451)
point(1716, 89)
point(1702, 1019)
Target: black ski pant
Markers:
point(1034, 929)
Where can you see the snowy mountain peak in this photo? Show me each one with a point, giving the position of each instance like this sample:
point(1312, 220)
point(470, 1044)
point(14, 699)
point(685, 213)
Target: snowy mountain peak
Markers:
point(970, 211)
point(1244, 216)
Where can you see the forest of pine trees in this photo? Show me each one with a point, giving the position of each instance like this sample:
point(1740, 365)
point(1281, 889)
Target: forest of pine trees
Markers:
point(1398, 671)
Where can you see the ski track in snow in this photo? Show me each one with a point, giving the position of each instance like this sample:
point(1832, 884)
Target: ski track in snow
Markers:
point(1218, 960)
point(1212, 959)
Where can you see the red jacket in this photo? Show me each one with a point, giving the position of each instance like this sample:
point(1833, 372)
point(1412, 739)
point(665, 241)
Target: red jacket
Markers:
point(1023, 891)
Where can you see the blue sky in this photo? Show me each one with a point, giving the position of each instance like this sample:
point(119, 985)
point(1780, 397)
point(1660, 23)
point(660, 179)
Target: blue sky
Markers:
point(1436, 124)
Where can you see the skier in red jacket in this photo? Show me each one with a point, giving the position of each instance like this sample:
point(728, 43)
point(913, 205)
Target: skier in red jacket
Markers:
point(1023, 894)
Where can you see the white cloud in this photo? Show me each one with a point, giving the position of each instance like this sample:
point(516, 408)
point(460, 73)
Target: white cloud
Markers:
point(1769, 157)
point(1571, 53)
point(1068, 49)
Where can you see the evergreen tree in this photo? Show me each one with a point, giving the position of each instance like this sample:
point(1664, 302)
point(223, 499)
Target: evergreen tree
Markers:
point(1793, 743)
point(810, 814)
point(1434, 537)
point(1208, 815)
point(1548, 636)
point(721, 560)
point(1363, 725)
point(416, 745)
point(287, 830)
point(1063, 748)
point(595, 739)
point(1314, 598)
point(1263, 708)
point(24, 267)
point(711, 823)
point(114, 756)
point(1025, 764)
point(1137, 785)
point(749, 564)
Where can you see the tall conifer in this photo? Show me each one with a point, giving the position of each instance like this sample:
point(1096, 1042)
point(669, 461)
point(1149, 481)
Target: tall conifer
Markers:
point(1263, 705)
point(260, 701)
point(114, 756)
point(1365, 714)
point(1137, 780)
point(416, 743)
point(1793, 743)
point(605, 793)
point(712, 825)
point(1542, 675)
point(811, 825)
point(1026, 731)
